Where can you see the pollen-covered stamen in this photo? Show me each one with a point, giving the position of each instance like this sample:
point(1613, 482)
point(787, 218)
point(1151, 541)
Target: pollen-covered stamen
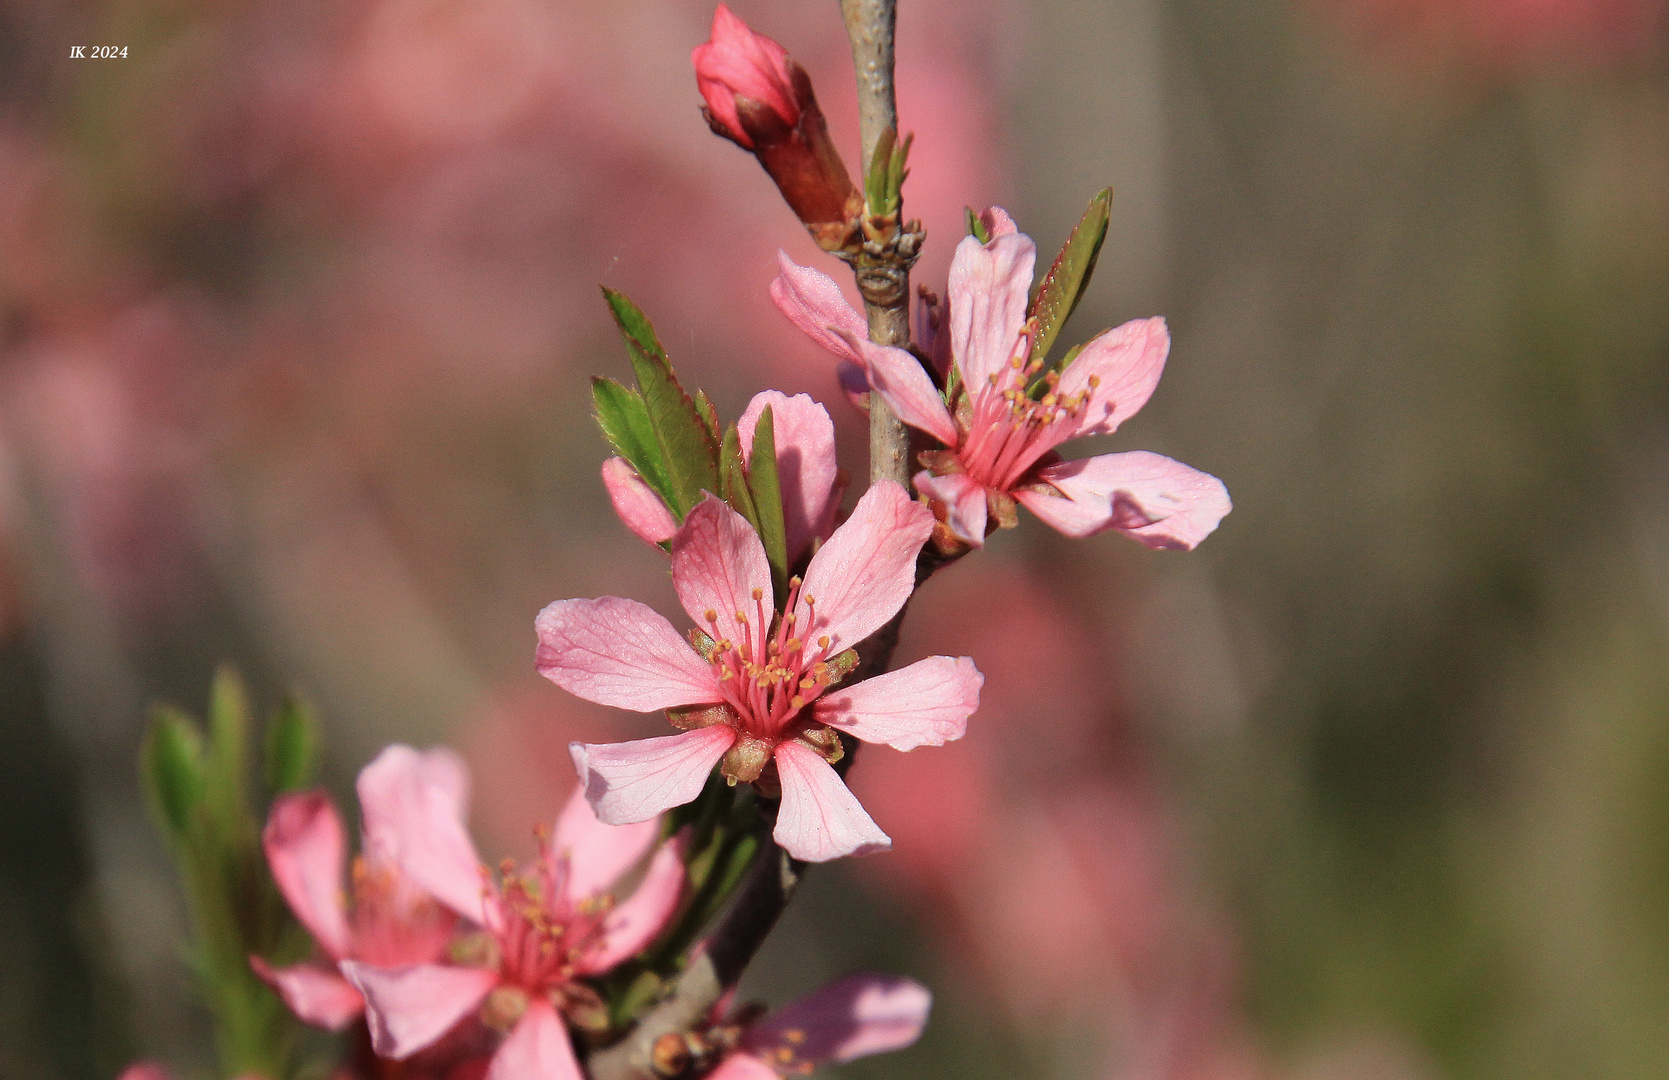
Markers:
point(540, 936)
point(774, 672)
point(1016, 418)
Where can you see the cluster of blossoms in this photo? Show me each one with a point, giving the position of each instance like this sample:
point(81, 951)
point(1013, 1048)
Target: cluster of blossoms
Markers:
point(462, 971)
point(456, 968)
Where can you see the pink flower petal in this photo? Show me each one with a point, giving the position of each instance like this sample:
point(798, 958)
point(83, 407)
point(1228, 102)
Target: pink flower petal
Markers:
point(639, 508)
point(414, 799)
point(853, 1018)
point(925, 704)
point(1146, 496)
point(412, 1007)
point(150, 1070)
point(899, 377)
point(964, 503)
point(639, 921)
point(307, 850)
point(537, 1048)
point(317, 995)
point(596, 855)
point(740, 1066)
point(813, 302)
point(1126, 362)
point(633, 781)
point(619, 652)
point(989, 286)
point(863, 575)
point(820, 819)
point(806, 467)
point(718, 563)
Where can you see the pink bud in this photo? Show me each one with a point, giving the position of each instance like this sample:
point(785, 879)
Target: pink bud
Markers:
point(761, 100)
point(737, 62)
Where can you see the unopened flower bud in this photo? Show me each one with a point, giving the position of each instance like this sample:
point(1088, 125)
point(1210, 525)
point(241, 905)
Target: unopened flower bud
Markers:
point(758, 97)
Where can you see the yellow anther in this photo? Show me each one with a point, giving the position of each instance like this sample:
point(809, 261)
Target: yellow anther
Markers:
point(1094, 381)
point(742, 617)
point(711, 615)
point(823, 642)
point(759, 594)
point(797, 701)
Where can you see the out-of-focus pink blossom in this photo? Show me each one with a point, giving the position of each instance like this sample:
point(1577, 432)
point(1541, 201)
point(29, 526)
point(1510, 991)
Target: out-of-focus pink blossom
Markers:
point(392, 922)
point(737, 62)
point(810, 481)
point(545, 926)
point(753, 693)
point(1007, 415)
point(855, 1017)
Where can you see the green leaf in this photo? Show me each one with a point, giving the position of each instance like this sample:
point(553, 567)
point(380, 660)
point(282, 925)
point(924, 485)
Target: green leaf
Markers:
point(171, 765)
point(686, 442)
point(1063, 285)
point(228, 750)
point(897, 173)
point(707, 412)
point(625, 423)
point(292, 745)
point(976, 227)
point(767, 500)
point(733, 478)
point(875, 188)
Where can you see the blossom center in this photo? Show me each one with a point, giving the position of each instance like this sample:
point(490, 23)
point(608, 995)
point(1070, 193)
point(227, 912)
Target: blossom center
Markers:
point(1016, 418)
point(776, 670)
point(541, 935)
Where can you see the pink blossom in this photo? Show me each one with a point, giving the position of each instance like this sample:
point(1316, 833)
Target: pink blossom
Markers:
point(1006, 414)
point(392, 922)
point(853, 1018)
point(755, 690)
point(737, 62)
point(545, 926)
point(810, 480)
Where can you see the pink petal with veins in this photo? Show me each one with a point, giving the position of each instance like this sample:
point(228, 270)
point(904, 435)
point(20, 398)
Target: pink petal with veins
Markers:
point(925, 704)
point(718, 563)
point(863, 575)
point(414, 798)
point(410, 1008)
point(964, 503)
point(307, 850)
point(318, 996)
point(814, 303)
point(988, 289)
point(635, 502)
point(806, 469)
point(853, 1018)
point(633, 781)
point(820, 819)
point(640, 920)
point(1148, 497)
point(622, 653)
point(1126, 362)
point(537, 1048)
point(899, 377)
point(597, 855)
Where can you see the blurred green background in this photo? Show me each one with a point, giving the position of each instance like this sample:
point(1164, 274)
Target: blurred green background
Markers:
point(298, 303)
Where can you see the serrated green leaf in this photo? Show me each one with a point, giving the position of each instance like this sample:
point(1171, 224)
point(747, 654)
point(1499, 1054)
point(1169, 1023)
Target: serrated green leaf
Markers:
point(171, 765)
point(767, 500)
point(1063, 286)
point(705, 409)
point(687, 446)
point(292, 743)
point(976, 227)
point(625, 423)
point(733, 478)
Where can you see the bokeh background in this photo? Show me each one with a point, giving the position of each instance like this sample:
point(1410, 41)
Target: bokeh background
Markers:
point(297, 304)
